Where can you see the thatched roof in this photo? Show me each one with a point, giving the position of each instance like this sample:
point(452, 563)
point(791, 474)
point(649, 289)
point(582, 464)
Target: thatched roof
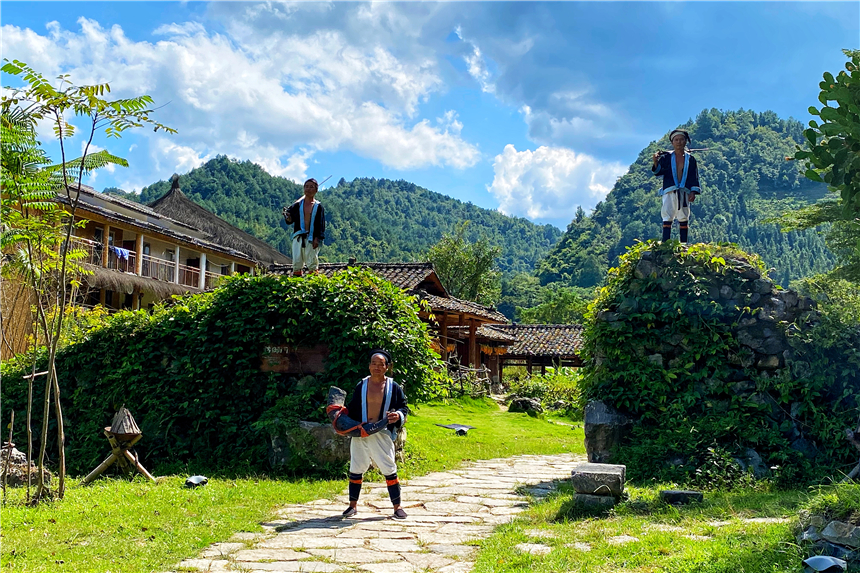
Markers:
point(151, 222)
point(176, 205)
point(125, 282)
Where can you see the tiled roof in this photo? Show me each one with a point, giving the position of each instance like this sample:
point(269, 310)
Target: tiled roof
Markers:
point(485, 331)
point(407, 276)
point(542, 339)
point(438, 304)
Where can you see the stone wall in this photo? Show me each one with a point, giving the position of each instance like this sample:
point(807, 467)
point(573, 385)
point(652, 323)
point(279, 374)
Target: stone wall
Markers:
point(757, 314)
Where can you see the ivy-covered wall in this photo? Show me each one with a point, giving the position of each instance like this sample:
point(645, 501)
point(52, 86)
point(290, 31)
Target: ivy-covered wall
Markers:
point(721, 369)
point(190, 373)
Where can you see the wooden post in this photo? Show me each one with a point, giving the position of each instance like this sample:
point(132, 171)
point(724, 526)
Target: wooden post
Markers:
point(138, 253)
point(543, 368)
point(135, 298)
point(232, 268)
point(443, 334)
point(105, 245)
point(529, 364)
point(102, 297)
point(473, 347)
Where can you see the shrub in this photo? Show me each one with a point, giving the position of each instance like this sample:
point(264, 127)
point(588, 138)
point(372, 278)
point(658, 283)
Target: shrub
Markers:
point(190, 372)
point(557, 384)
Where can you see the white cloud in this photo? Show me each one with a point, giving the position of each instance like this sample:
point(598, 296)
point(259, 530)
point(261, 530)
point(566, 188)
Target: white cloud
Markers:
point(550, 182)
point(168, 156)
point(476, 65)
point(276, 97)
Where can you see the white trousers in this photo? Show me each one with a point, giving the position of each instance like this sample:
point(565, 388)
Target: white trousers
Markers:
point(378, 448)
point(672, 208)
point(305, 255)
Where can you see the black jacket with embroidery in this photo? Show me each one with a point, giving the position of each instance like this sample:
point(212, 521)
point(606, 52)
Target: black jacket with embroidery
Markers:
point(294, 213)
point(397, 404)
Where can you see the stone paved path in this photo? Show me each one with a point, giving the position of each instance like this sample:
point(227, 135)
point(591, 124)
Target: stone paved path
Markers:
point(446, 510)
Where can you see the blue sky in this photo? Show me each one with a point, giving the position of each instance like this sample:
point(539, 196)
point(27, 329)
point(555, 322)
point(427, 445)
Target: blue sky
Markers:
point(531, 108)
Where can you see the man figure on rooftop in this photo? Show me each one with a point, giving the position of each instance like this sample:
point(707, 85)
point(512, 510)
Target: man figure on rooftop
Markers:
point(307, 217)
point(680, 174)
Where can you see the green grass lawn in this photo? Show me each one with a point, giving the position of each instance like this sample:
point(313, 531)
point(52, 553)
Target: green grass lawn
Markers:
point(134, 526)
point(712, 537)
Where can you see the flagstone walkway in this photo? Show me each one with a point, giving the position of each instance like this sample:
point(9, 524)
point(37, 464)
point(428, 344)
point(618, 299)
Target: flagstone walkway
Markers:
point(446, 511)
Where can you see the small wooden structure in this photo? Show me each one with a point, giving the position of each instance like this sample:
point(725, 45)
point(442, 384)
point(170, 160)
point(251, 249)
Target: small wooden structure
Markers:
point(122, 434)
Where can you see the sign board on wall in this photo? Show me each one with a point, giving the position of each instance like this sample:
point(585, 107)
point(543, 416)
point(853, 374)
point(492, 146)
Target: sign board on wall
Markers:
point(299, 360)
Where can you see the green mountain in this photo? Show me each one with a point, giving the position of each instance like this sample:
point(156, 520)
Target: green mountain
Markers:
point(745, 180)
point(369, 219)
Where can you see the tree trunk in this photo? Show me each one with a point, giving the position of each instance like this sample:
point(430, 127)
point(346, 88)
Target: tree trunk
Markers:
point(61, 439)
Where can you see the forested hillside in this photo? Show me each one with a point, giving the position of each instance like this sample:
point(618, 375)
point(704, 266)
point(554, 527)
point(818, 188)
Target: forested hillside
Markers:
point(745, 180)
point(370, 219)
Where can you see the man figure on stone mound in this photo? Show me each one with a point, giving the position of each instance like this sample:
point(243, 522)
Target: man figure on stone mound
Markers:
point(307, 217)
point(680, 174)
point(375, 397)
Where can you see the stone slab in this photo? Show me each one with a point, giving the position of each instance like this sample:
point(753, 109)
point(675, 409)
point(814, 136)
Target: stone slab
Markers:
point(594, 502)
point(222, 549)
point(459, 567)
point(309, 542)
point(458, 551)
point(427, 560)
point(296, 567)
point(681, 497)
point(394, 545)
point(599, 479)
point(621, 539)
point(205, 564)
point(842, 533)
point(579, 546)
point(388, 567)
point(451, 507)
point(269, 555)
point(534, 548)
point(356, 556)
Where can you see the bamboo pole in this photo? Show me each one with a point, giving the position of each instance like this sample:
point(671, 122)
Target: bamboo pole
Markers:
point(8, 456)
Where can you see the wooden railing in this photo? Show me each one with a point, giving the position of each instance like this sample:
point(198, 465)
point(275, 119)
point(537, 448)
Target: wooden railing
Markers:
point(125, 263)
point(189, 276)
point(93, 250)
point(152, 267)
point(160, 269)
point(212, 280)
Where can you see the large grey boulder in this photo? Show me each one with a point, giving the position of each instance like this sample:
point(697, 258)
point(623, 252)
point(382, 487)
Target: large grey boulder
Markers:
point(599, 479)
point(604, 429)
point(842, 533)
point(527, 405)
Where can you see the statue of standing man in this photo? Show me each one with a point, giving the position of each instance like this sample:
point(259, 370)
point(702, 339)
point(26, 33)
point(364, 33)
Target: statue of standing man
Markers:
point(680, 174)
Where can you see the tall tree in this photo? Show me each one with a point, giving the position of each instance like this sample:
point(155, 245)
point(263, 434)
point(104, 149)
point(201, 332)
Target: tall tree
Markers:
point(832, 155)
point(467, 269)
point(33, 224)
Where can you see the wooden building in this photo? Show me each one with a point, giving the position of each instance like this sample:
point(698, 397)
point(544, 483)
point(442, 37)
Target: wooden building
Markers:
point(140, 254)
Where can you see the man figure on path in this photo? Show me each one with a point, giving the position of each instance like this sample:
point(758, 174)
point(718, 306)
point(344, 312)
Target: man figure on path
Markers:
point(680, 183)
point(307, 217)
point(376, 397)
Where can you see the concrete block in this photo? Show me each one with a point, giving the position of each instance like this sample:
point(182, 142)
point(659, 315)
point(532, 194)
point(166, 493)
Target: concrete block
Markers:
point(599, 479)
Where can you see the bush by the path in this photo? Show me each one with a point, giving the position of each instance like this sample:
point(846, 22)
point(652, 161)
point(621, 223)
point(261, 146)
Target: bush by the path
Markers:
point(190, 373)
point(722, 370)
